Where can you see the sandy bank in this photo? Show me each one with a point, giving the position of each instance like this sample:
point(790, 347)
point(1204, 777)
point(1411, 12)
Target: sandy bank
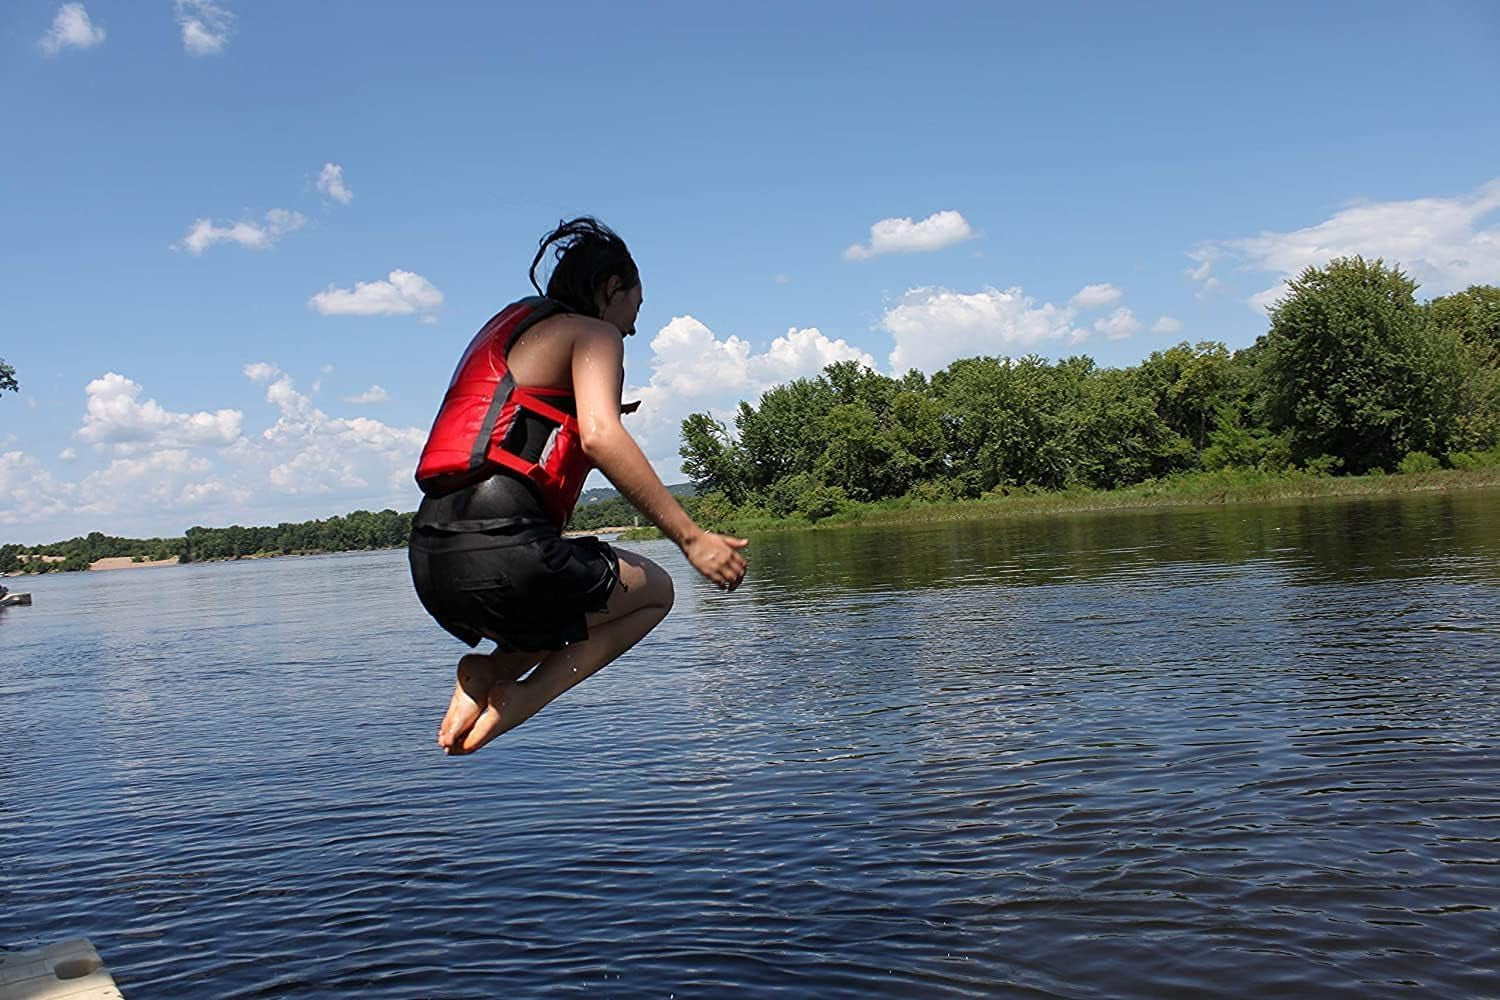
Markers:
point(124, 562)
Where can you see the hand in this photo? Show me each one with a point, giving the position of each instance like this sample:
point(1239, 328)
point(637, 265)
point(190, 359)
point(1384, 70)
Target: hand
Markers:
point(718, 558)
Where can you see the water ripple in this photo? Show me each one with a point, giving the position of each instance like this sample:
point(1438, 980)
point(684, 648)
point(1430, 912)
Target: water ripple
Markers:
point(1243, 751)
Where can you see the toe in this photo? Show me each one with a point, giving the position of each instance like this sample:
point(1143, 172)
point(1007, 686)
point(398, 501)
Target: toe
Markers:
point(490, 722)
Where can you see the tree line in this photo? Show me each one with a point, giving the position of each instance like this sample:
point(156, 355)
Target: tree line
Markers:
point(606, 508)
point(1354, 377)
point(356, 531)
point(361, 529)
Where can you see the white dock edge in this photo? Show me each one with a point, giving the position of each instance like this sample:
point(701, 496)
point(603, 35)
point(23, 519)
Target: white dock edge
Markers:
point(68, 969)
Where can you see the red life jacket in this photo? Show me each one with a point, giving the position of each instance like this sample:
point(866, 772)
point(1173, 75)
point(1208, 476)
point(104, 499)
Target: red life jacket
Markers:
point(488, 422)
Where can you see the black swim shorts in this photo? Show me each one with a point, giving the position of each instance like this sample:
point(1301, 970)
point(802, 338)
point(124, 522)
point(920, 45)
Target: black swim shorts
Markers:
point(526, 588)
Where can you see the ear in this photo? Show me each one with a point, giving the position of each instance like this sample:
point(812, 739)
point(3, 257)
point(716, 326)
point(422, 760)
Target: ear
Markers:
point(613, 287)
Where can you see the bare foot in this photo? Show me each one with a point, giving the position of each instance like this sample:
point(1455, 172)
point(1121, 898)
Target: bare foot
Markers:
point(478, 675)
point(491, 723)
point(476, 672)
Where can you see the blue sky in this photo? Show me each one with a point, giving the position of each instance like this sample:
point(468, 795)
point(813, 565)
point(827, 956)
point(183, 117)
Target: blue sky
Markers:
point(243, 244)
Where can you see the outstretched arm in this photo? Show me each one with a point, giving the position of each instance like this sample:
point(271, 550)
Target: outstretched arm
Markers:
point(598, 375)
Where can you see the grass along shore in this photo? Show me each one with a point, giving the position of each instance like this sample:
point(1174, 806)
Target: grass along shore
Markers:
point(1237, 486)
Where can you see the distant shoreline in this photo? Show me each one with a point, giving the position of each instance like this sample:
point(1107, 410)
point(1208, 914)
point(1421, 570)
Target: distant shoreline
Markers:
point(1204, 489)
point(112, 563)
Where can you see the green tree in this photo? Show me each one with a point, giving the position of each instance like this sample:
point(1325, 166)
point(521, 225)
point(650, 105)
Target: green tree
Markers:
point(1012, 423)
point(1189, 384)
point(8, 377)
point(861, 459)
point(95, 546)
point(610, 513)
point(852, 382)
point(781, 436)
point(1234, 443)
point(822, 501)
point(803, 494)
point(916, 425)
point(1473, 314)
point(712, 510)
point(712, 459)
point(1123, 438)
point(1353, 371)
point(1469, 322)
point(784, 495)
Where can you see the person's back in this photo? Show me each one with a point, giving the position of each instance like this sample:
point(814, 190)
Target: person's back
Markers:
point(488, 559)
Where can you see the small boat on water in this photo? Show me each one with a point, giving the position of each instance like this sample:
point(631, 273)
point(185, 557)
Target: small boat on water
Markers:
point(7, 598)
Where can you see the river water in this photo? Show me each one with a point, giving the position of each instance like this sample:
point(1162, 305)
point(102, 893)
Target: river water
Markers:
point(1245, 751)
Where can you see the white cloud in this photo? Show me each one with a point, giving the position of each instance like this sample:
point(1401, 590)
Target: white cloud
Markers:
point(1167, 325)
point(1445, 244)
point(692, 370)
point(28, 492)
point(941, 229)
point(71, 29)
point(155, 471)
point(261, 371)
point(168, 479)
point(1119, 324)
point(114, 415)
point(1095, 297)
point(67, 454)
point(1204, 258)
point(801, 353)
point(308, 452)
point(688, 360)
point(1205, 265)
point(331, 183)
point(206, 26)
point(374, 394)
point(401, 294)
point(935, 326)
point(204, 233)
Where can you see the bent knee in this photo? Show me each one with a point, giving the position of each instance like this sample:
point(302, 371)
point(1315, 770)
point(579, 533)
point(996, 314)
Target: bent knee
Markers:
point(643, 584)
point(471, 662)
point(668, 590)
point(657, 588)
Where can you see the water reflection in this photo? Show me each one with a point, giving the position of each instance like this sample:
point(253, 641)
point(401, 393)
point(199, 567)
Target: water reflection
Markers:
point(1230, 750)
point(1385, 538)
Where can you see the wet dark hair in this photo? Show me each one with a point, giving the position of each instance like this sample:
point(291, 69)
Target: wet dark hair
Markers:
point(588, 254)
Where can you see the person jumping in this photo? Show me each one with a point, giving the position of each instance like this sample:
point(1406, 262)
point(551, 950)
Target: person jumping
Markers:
point(533, 407)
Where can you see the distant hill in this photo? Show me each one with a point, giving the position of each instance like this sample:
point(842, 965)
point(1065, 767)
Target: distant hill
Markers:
point(610, 493)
